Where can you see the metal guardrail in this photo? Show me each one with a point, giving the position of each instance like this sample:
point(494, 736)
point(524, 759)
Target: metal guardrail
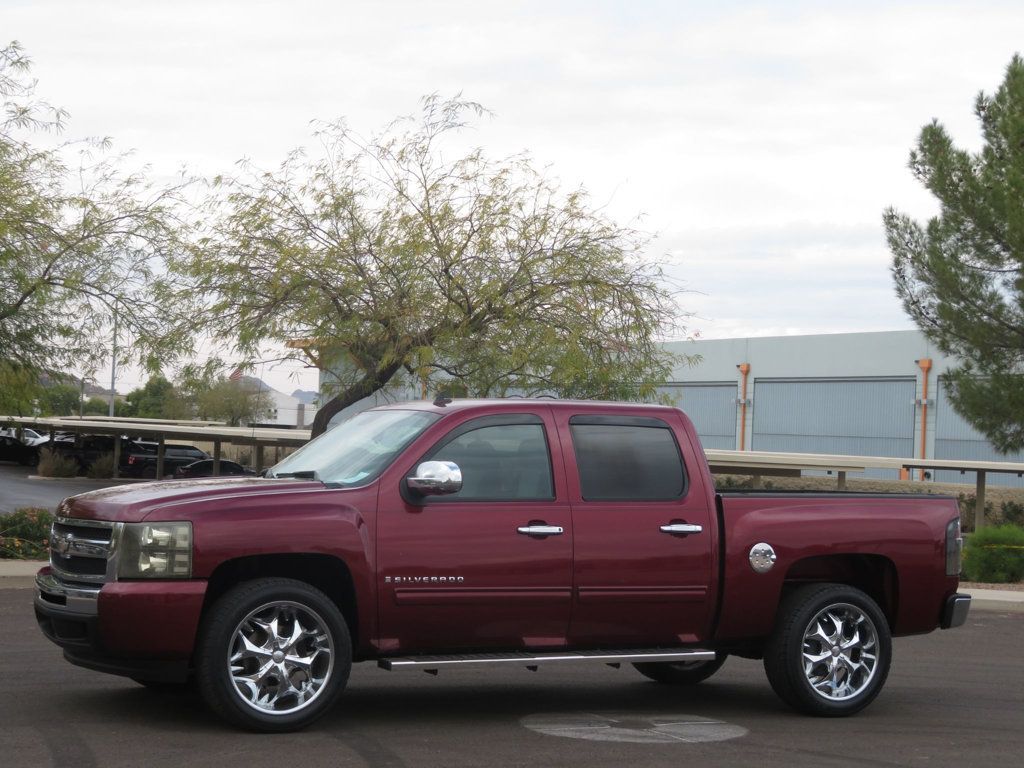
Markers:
point(765, 463)
point(755, 463)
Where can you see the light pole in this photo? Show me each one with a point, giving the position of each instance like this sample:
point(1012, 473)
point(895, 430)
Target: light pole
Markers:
point(113, 368)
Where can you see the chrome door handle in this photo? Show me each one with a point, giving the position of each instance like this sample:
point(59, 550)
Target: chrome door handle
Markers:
point(541, 530)
point(683, 528)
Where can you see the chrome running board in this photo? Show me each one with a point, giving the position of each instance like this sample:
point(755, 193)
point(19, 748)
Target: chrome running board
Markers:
point(532, 660)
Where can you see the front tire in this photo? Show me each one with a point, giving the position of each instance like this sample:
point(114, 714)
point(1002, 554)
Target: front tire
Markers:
point(830, 652)
point(274, 655)
point(681, 672)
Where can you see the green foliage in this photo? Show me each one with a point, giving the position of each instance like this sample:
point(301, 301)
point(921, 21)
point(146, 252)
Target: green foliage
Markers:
point(96, 406)
point(53, 464)
point(59, 400)
point(995, 554)
point(235, 402)
point(102, 467)
point(81, 240)
point(961, 275)
point(19, 389)
point(1012, 512)
point(399, 256)
point(25, 534)
point(157, 399)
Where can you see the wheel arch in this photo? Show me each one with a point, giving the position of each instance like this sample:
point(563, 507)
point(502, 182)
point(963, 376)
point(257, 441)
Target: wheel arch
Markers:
point(875, 575)
point(331, 575)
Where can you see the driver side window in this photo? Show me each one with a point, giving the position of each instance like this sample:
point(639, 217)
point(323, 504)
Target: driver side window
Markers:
point(500, 463)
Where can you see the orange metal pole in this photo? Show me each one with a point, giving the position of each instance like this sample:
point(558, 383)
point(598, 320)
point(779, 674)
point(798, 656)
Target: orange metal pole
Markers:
point(925, 364)
point(745, 370)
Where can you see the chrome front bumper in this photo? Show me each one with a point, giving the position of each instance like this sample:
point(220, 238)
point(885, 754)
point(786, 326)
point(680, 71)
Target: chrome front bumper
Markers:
point(78, 599)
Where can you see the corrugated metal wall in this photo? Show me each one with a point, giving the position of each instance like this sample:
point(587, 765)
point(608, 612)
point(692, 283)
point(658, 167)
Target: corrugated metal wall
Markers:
point(849, 416)
point(712, 408)
point(956, 439)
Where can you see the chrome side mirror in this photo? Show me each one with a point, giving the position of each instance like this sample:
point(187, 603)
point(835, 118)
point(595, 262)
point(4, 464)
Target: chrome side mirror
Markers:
point(434, 478)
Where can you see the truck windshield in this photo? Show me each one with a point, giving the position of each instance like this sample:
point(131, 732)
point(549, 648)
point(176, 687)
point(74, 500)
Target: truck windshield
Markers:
point(358, 450)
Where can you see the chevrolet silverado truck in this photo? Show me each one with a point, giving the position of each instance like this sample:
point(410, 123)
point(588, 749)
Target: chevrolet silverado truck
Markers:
point(435, 535)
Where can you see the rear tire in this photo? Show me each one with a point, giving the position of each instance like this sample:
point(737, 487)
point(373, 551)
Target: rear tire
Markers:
point(830, 652)
point(681, 672)
point(274, 655)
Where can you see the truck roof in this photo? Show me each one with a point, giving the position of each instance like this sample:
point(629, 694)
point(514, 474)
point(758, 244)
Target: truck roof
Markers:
point(517, 403)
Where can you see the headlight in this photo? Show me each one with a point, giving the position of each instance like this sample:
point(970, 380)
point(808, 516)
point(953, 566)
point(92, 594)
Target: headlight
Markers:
point(155, 551)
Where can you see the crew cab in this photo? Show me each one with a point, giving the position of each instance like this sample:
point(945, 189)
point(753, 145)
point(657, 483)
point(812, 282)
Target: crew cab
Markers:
point(436, 535)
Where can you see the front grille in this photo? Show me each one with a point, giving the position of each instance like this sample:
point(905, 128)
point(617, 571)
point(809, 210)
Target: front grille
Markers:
point(81, 549)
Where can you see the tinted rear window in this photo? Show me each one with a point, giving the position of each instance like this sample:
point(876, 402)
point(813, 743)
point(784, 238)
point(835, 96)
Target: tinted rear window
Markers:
point(619, 462)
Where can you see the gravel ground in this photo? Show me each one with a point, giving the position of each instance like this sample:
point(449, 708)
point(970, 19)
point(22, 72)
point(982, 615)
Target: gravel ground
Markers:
point(1018, 587)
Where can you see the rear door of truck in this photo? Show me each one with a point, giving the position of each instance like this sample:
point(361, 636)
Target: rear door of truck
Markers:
point(644, 529)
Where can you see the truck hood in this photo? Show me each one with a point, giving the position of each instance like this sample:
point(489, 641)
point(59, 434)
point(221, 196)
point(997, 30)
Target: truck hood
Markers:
point(131, 503)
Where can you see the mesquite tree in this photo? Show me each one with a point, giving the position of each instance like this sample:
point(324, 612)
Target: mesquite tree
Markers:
point(81, 241)
point(399, 256)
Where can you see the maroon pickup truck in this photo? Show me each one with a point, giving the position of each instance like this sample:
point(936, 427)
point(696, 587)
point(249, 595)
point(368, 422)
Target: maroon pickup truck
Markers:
point(433, 535)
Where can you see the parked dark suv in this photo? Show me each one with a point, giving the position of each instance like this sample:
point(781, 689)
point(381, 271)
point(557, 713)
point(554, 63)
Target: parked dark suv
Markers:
point(204, 468)
point(138, 457)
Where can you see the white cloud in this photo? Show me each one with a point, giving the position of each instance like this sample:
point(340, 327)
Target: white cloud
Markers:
point(761, 140)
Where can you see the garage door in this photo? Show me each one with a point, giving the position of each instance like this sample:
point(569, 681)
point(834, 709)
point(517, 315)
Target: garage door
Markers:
point(956, 439)
point(853, 417)
point(712, 408)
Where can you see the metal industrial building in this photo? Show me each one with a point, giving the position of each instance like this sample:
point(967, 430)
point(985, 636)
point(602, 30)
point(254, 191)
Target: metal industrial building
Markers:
point(863, 394)
point(855, 394)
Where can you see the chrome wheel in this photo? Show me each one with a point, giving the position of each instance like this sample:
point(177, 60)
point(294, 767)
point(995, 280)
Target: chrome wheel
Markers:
point(281, 657)
point(830, 651)
point(840, 652)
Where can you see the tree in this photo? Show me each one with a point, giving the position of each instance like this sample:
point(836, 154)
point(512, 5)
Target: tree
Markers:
point(96, 406)
point(59, 400)
point(157, 399)
point(384, 258)
point(19, 390)
point(961, 275)
point(80, 244)
point(236, 402)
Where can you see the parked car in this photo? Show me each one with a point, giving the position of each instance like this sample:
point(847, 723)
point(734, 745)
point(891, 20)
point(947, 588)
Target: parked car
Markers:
point(530, 532)
point(85, 449)
point(28, 436)
point(138, 458)
point(12, 449)
point(204, 468)
point(144, 463)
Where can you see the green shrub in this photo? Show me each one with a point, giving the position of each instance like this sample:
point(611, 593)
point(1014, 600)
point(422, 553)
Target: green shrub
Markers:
point(1012, 512)
point(25, 534)
point(102, 467)
point(53, 464)
point(995, 555)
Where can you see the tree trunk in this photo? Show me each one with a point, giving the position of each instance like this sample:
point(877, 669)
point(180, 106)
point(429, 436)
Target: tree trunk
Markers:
point(363, 388)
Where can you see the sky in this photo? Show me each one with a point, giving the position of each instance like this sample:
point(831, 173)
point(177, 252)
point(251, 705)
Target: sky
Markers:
point(757, 142)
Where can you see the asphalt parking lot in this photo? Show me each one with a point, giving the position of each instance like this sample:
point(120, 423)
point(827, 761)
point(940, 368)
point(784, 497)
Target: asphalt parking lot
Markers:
point(17, 490)
point(953, 699)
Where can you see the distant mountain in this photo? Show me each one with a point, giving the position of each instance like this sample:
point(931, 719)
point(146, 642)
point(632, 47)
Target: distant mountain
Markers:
point(306, 396)
point(255, 384)
point(50, 378)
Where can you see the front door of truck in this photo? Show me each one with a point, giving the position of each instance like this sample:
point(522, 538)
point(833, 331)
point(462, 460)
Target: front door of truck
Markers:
point(644, 532)
point(488, 567)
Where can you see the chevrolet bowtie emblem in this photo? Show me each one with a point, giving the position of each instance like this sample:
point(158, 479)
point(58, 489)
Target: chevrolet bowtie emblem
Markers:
point(62, 544)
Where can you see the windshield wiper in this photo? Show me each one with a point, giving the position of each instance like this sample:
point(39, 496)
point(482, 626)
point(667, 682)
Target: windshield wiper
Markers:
point(305, 474)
